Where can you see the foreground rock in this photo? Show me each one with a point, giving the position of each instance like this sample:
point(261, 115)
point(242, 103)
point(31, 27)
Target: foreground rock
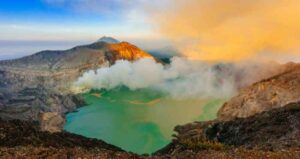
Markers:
point(19, 139)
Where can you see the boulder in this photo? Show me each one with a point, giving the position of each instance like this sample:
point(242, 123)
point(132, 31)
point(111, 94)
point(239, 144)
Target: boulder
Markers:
point(51, 121)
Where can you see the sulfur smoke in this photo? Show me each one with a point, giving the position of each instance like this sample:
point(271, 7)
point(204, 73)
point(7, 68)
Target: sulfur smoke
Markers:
point(182, 78)
point(231, 30)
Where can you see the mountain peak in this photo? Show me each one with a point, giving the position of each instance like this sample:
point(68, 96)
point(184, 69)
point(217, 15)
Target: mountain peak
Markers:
point(108, 39)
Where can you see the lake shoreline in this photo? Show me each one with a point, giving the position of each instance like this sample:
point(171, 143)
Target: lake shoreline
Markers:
point(140, 113)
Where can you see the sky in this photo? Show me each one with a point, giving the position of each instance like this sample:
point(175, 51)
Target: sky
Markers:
point(33, 25)
point(210, 30)
point(71, 19)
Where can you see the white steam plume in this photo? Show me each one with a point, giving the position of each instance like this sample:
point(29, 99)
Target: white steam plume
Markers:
point(181, 79)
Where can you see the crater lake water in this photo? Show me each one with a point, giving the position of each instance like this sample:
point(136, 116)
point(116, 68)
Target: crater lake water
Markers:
point(140, 121)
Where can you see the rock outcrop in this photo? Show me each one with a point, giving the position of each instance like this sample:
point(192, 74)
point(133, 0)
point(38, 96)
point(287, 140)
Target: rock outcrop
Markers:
point(30, 103)
point(265, 95)
point(51, 122)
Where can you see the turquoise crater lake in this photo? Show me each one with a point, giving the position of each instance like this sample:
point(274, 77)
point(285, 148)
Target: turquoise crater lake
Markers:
point(140, 121)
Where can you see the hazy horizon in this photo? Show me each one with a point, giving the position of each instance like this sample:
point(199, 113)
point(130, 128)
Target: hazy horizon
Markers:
point(10, 49)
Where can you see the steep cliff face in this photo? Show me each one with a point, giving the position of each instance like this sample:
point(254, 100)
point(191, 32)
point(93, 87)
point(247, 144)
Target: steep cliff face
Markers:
point(36, 104)
point(265, 95)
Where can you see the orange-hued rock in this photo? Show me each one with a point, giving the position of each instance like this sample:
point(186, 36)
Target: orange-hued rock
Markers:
point(127, 51)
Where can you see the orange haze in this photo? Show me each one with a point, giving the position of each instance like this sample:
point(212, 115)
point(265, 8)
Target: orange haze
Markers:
point(232, 30)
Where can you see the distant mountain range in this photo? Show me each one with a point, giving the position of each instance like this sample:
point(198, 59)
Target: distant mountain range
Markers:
point(109, 40)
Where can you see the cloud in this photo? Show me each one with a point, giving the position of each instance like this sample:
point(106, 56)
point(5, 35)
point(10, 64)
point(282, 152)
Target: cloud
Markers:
point(125, 17)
